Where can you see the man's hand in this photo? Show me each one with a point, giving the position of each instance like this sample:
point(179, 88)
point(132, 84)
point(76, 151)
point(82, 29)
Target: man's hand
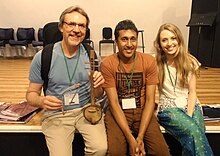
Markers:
point(51, 103)
point(140, 150)
point(98, 79)
point(133, 147)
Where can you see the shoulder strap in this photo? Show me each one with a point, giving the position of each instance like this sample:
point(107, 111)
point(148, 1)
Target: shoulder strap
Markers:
point(46, 57)
point(88, 48)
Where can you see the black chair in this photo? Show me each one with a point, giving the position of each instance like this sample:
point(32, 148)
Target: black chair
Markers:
point(87, 39)
point(21, 48)
point(6, 34)
point(39, 41)
point(106, 38)
point(25, 36)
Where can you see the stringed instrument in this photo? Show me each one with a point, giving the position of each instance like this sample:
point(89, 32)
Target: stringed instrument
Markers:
point(93, 112)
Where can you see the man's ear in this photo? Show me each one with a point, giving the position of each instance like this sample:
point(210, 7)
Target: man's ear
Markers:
point(116, 43)
point(60, 27)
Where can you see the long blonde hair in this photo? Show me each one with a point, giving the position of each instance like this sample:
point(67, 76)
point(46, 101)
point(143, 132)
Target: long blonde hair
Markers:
point(184, 61)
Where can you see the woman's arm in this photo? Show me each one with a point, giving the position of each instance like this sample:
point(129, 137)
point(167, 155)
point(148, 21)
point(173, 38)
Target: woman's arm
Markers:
point(192, 95)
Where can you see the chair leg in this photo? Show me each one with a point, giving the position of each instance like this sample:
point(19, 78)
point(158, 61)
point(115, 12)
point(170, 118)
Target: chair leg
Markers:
point(142, 37)
point(114, 48)
point(1, 52)
point(100, 49)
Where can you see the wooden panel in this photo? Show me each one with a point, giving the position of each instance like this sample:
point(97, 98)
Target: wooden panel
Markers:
point(14, 82)
point(13, 79)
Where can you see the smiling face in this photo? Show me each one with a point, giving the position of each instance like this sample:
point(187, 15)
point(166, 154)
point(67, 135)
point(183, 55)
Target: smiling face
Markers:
point(127, 44)
point(169, 43)
point(73, 28)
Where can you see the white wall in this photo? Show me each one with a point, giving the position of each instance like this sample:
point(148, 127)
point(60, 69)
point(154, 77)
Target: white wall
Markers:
point(147, 14)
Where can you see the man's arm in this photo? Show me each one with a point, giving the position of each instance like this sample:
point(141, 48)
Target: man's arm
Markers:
point(33, 96)
point(146, 116)
point(118, 114)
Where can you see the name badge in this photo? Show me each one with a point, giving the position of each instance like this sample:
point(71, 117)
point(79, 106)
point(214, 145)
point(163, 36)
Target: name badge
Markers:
point(181, 102)
point(128, 103)
point(71, 99)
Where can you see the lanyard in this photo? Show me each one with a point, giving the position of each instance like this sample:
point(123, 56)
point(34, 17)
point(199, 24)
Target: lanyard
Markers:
point(174, 85)
point(67, 68)
point(132, 72)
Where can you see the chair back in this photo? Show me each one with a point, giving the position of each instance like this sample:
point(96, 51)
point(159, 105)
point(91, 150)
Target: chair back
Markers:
point(87, 39)
point(87, 34)
point(107, 33)
point(25, 34)
point(6, 34)
point(39, 41)
point(40, 34)
point(51, 33)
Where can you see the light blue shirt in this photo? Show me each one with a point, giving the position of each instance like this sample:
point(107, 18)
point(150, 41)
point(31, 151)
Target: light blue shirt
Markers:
point(58, 74)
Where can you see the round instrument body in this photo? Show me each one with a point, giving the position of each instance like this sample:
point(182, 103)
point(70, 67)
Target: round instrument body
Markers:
point(93, 113)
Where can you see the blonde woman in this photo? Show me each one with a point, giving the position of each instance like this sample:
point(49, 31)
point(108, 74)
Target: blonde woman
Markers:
point(179, 111)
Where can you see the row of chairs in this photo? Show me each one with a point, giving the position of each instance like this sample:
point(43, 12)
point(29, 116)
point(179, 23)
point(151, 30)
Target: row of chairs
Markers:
point(24, 45)
point(25, 36)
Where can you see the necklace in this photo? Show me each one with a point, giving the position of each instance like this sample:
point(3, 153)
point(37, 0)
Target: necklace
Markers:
point(67, 68)
point(173, 83)
point(132, 72)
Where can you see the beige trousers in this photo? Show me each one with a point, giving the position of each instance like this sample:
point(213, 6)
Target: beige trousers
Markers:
point(59, 132)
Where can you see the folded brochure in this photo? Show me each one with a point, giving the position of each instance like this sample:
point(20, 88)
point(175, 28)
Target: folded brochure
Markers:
point(16, 111)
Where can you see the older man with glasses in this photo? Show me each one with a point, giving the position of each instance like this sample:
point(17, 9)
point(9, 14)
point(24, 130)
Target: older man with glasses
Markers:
point(68, 70)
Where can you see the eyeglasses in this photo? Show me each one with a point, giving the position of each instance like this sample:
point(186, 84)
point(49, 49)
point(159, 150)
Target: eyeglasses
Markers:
point(73, 25)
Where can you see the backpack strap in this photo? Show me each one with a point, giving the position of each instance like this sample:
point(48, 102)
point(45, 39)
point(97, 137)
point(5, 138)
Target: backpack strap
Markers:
point(46, 57)
point(88, 48)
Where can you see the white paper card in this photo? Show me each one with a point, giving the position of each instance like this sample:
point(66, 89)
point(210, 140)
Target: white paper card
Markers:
point(71, 99)
point(181, 102)
point(128, 103)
